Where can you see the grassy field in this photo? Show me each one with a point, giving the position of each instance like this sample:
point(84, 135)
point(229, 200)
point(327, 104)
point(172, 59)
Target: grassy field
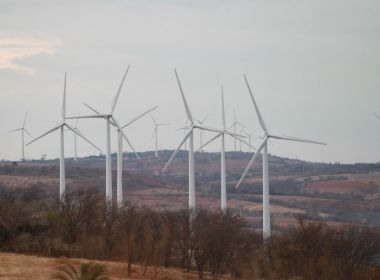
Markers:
point(17, 266)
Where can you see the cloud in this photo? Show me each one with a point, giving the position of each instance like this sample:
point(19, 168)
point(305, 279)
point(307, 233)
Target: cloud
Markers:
point(14, 49)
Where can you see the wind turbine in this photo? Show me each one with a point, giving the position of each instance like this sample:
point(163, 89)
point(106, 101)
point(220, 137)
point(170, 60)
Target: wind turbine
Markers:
point(201, 122)
point(121, 135)
point(264, 147)
point(61, 127)
point(185, 129)
point(241, 132)
point(223, 187)
point(249, 135)
point(190, 136)
point(155, 133)
point(23, 130)
point(120, 156)
point(75, 140)
point(234, 125)
point(110, 119)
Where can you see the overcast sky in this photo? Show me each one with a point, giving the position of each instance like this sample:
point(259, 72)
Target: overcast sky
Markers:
point(313, 64)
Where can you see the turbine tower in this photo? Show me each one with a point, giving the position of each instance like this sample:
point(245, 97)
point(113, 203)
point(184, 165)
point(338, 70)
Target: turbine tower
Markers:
point(120, 138)
point(185, 129)
point(249, 135)
point(120, 156)
point(75, 140)
point(189, 136)
point(61, 126)
point(201, 122)
point(110, 119)
point(223, 187)
point(23, 131)
point(235, 125)
point(155, 133)
point(264, 147)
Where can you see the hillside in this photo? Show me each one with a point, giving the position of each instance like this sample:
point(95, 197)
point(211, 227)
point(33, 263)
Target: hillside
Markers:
point(334, 193)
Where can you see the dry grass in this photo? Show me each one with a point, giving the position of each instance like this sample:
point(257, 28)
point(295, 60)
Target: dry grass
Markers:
point(338, 186)
point(27, 181)
point(17, 266)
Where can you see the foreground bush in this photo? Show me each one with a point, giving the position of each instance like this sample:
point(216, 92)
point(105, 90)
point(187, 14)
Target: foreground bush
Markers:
point(212, 243)
point(88, 271)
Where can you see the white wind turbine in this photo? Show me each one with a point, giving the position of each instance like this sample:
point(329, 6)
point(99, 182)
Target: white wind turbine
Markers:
point(155, 133)
point(23, 130)
point(185, 129)
point(120, 156)
point(249, 135)
point(75, 140)
point(223, 187)
point(201, 122)
point(190, 136)
point(110, 119)
point(120, 134)
point(235, 125)
point(263, 147)
point(61, 127)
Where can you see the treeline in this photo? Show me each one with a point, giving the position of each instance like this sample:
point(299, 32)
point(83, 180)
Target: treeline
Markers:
point(213, 244)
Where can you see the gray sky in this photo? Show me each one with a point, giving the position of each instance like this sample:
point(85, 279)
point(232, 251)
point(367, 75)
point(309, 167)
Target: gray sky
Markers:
point(313, 65)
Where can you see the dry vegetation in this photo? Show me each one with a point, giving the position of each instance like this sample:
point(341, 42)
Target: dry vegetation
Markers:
point(151, 233)
point(20, 266)
point(140, 243)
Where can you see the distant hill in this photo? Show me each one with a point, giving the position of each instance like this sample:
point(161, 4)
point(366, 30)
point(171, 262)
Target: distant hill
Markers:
point(332, 192)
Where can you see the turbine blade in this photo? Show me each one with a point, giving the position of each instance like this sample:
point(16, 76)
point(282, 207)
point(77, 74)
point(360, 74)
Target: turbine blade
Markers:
point(223, 111)
point(28, 133)
point(91, 108)
point(153, 120)
point(218, 130)
point(77, 121)
point(26, 114)
point(89, 117)
point(243, 141)
point(231, 126)
point(205, 118)
point(259, 116)
point(154, 134)
point(64, 99)
point(77, 132)
point(184, 128)
point(251, 162)
point(124, 136)
point(188, 112)
point(139, 117)
point(290, 138)
point(46, 133)
point(14, 130)
point(130, 145)
point(209, 128)
point(377, 116)
point(176, 151)
point(119, 90)
point(209, 141)
point(241, 125)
